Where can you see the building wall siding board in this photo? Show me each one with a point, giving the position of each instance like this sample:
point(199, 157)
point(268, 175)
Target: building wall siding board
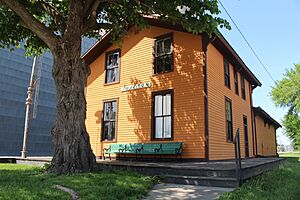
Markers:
point(134, 107)
point(219, 148)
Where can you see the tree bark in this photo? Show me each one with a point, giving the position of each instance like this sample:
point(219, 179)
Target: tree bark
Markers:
point(72, 149)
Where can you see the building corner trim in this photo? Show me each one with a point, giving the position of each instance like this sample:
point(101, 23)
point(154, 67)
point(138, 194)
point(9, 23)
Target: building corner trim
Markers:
point(206, 40)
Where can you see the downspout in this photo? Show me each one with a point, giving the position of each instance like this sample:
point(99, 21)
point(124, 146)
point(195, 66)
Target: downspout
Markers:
point(206, 40)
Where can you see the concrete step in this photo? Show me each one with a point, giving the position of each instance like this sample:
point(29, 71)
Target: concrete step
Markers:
point(200, 180)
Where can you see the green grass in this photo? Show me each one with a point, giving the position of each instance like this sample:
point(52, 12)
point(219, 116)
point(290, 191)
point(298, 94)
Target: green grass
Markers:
point(295, 154)
point(27, 182)
point(279, 184)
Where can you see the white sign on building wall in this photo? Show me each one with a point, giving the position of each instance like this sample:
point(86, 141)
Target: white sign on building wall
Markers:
point(137, 86)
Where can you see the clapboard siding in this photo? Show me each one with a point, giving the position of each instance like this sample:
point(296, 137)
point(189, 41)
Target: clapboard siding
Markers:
point(219, 148)
point(266, 133)
point(134, 107)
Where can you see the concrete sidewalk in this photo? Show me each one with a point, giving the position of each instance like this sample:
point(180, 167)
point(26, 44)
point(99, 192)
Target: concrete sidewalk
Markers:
point(168, 191)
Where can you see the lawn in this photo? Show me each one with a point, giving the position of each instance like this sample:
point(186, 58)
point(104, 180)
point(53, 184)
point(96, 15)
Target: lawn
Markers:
point(288, 154)
point(279, 184)
point(27, 182)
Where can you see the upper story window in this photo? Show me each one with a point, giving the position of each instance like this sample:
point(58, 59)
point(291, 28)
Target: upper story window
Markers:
point(243, 87)
point(162, 114)
point(227, 73)
point(236, 83)
point(109, 120)
point(112, 66)
point(229, 128)
point(163, 54)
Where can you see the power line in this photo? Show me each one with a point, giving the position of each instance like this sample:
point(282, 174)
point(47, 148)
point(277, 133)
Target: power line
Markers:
point(265, 68)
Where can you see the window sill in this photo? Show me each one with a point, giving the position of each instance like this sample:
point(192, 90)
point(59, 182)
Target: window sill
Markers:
point(162, 139)
point(109, 141)
point(113, 83)
point(161, 73)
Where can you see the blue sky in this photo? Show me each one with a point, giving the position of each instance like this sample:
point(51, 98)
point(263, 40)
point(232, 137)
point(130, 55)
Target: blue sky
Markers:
point(272, 27)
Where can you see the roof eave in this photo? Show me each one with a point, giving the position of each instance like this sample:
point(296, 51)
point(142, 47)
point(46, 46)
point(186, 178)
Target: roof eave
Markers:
point(259, 111)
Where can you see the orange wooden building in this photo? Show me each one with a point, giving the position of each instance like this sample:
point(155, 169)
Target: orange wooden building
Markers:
point(165, 84)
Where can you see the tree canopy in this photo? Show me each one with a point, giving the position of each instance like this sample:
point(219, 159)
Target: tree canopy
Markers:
point(33, 21)
point(59, 25)
point(286, 94)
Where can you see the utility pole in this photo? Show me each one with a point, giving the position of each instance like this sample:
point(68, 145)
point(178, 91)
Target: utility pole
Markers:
point(28, 107)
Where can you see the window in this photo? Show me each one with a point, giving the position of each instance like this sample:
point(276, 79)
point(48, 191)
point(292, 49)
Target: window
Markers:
point(163, 54)
point(227, 73)
point(243, 87)
point(245, 122)
point(162, 115)
point(236, 83)
point(229, 129)
point(109, 120)
point(112, 66)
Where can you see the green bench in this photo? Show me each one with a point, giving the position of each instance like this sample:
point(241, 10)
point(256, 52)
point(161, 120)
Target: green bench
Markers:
point(164, 148)
point(114, 149)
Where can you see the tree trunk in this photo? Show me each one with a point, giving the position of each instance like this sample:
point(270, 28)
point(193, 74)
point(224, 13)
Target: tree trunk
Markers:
point(72, 149)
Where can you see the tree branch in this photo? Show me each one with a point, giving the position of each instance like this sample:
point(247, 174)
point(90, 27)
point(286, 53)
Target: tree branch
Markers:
point(91, 5)
point(96, 26)
point(32, 23)
point(58, 18)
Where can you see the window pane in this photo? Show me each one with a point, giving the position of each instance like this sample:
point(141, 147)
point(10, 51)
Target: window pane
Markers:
point(158, 105)
point(167, 46)
point(236, 77)
point(111, 131)
point(116, 74)
point(159, 47)
point(109, 75)
point(167, 105)
point(106, 130)
point(115, 59)
point(228, 111)
point(113, 75)
point(168, 62)
point(159, 64)
point(113, 110)
point(106, 111)
point(167, 127)
point(226, 66)
point(158, 127)
point(109, 62)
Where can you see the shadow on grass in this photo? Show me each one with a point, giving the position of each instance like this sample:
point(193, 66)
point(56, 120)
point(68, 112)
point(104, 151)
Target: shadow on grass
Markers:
point(23, 182)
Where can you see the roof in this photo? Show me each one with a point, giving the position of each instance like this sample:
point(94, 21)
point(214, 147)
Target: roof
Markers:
point(258, 111)
point(219, 42)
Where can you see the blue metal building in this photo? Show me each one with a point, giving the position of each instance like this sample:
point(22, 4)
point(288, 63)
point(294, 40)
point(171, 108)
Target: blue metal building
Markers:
point(15, 70)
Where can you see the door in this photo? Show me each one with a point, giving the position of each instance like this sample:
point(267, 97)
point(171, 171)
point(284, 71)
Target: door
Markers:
point(246, 136)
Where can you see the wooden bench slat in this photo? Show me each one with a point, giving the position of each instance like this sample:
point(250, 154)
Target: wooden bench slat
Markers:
point(164, 148)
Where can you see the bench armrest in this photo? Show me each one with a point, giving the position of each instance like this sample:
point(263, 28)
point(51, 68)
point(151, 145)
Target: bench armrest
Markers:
point(178, 150)
point(121, 150)
point(138, 150)
point(158, 149)
point(107, 149)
